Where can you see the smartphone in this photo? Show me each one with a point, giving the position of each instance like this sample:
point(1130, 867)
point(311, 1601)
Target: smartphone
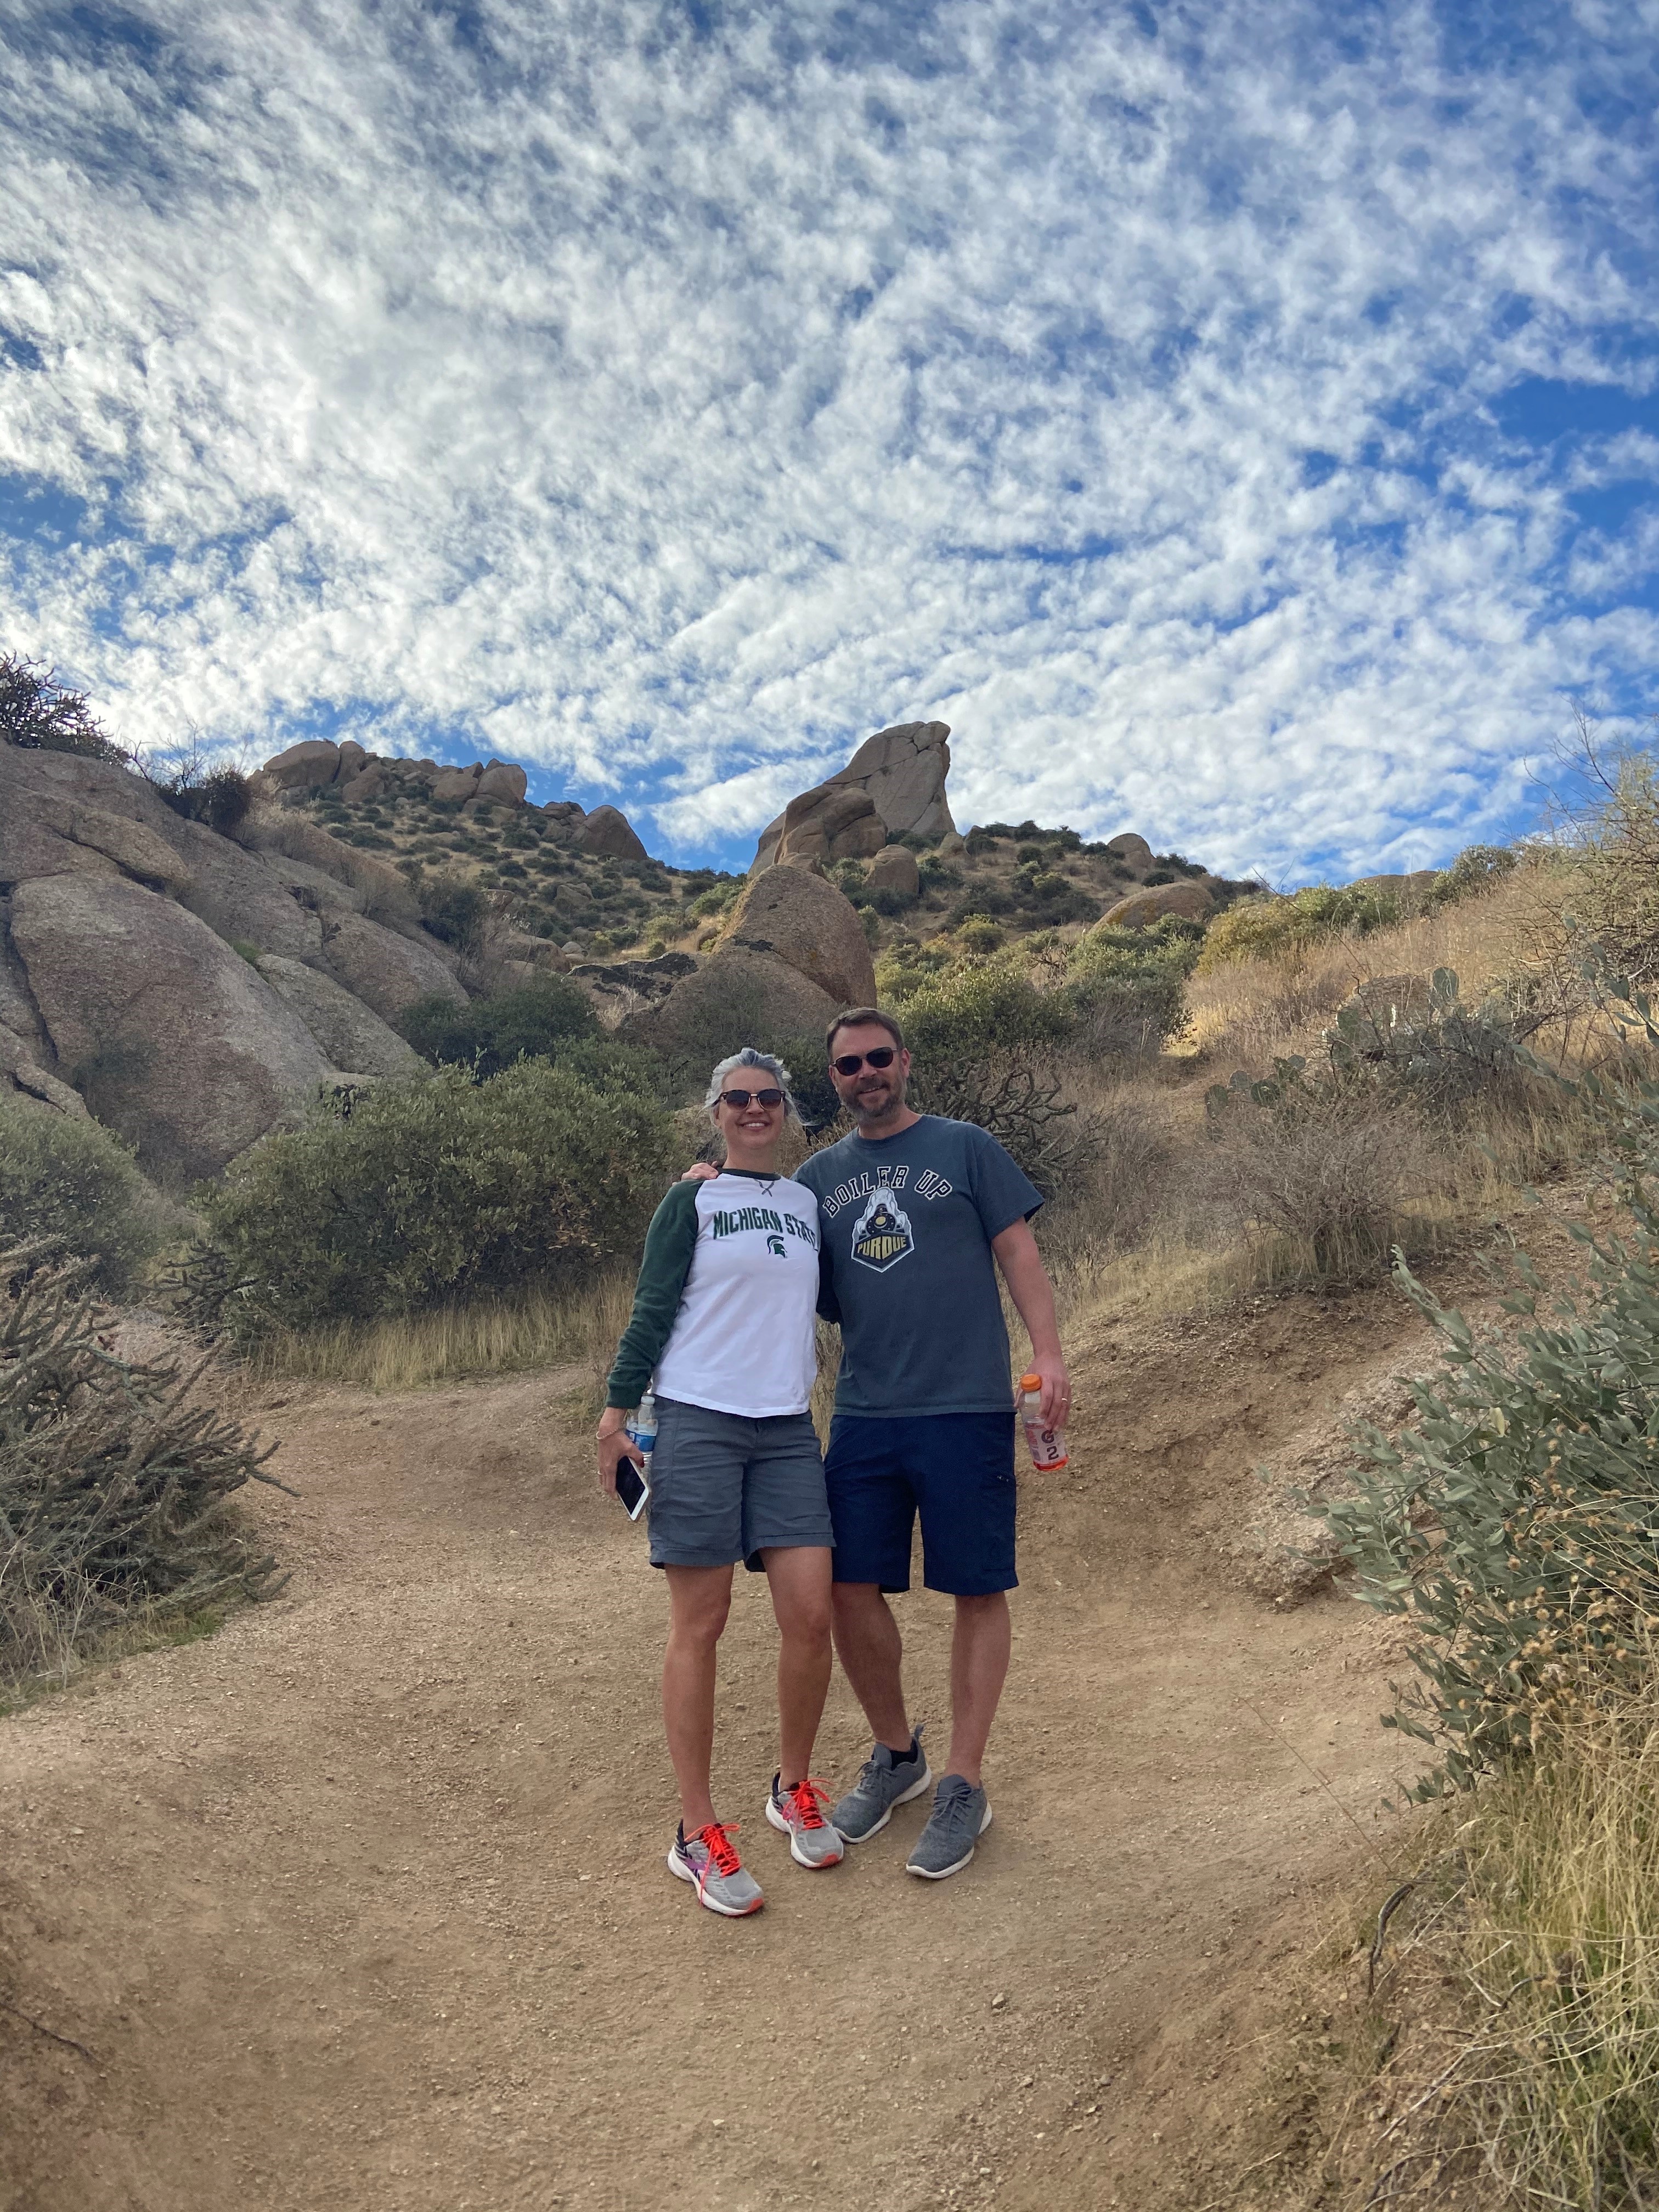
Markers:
point(632, 1488)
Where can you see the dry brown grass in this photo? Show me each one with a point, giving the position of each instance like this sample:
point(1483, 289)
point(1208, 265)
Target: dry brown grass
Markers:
point(1245, 1014)
point(487, 1336)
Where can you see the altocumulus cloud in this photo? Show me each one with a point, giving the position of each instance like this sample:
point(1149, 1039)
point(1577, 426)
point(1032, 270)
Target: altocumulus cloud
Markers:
point(1238, 423)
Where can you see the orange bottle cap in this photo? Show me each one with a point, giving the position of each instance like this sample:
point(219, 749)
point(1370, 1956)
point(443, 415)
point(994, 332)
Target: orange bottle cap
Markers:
point(1030, 1382)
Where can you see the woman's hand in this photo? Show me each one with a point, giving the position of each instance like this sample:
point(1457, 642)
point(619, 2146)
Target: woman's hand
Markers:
point(615, 1444)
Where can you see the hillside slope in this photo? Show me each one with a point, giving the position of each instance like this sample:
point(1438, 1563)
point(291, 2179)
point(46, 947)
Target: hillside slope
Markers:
point(361, 1905)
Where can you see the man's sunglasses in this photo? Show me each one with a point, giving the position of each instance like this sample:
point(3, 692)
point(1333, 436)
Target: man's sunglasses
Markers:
point(741, 1098)
point(850, 1062)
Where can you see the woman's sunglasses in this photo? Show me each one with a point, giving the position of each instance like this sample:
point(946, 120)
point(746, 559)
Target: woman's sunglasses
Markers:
point(850, 1062)
point(741, 1098)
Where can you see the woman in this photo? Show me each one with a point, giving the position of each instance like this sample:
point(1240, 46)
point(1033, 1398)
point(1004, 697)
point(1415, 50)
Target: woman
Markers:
point(723, 1319)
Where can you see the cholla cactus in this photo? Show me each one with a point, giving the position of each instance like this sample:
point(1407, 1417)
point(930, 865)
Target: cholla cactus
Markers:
point(112, 1482)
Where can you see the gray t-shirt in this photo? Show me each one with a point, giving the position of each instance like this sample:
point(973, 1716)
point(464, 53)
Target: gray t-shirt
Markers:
point(907, 1223)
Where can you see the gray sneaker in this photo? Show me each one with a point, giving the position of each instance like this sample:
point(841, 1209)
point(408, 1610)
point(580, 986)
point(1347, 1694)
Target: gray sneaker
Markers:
point(885, 1779)
point(798, 1814)
point(960, 1816)
point(709, 1860)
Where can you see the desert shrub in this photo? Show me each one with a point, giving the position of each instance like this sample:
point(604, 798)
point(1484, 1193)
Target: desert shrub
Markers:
point(988, 1047)
point(1269, 928)
point(808, 1064)
point(1515, 1523)
point(1328, 1163)
point(720, 897)
point(630, 1071)
point(112, 1484)
point(453, 909)
point(528, 1021)
point(1477, 869)
point(74, 1183)
point(433, 1191)
point(977, 933)
point(217, 796)
point(1126, 992)
point(1618, 897)
point(39, 713)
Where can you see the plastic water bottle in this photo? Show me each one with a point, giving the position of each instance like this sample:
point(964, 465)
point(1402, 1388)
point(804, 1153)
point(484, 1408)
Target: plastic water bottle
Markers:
point(1047, 1445)
point(642, 1429)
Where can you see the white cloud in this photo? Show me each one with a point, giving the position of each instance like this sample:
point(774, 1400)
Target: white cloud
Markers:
point(672, 411)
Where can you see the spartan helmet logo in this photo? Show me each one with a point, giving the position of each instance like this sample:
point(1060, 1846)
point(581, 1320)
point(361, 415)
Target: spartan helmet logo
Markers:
point(776, 1245)
point(881, 1235)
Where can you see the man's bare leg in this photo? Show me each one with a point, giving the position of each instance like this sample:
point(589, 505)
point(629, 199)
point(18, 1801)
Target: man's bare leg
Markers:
point(979, 1666)
point(871, 1652)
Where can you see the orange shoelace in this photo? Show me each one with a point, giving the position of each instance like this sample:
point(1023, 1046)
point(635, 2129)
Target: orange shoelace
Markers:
point(722, 1852)
point(807, 1797)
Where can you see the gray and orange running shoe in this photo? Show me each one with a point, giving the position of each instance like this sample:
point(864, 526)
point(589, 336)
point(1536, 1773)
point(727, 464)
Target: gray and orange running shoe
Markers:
point(709, 1860)
point(798, 1812)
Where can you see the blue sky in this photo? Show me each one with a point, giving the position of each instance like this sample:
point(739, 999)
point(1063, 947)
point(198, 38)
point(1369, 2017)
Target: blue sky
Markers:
point(1240, 424)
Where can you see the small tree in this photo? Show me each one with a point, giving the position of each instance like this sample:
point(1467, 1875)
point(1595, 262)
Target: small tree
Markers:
point(39, 713)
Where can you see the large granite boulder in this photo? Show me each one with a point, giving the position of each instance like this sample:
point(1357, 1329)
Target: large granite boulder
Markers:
point(894, 869)
point(607, 829)
point(461, 783)
point(1143, 908)
point(386, 971)
point(345, 1030)
point(799, 919)
point(1131, 851)
point(565, 819)
point(902, 772)
point(60, 814)
point(180, 1044)
point(383, 893)
point(830, 823)
point(307, 766)
point(503, 781)
point(738, 996)
point(238, 895)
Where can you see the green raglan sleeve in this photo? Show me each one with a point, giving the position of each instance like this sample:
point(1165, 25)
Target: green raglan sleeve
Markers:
point(670, 1242)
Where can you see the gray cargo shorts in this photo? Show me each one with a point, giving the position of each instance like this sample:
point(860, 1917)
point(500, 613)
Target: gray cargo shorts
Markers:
point(725, 1488)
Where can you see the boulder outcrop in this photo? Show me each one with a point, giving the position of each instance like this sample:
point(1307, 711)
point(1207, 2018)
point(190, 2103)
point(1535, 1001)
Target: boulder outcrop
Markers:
point(386, 971)
point(901, 771)
point(307, 766)
point(1143, 908)
point(608, 829)
point(739, 996)
point(179, 1042)
point(806, 922)
point(1134, 852)
point(504, 781)
point(894, 869)
point(345, 1032)
point(829, 823)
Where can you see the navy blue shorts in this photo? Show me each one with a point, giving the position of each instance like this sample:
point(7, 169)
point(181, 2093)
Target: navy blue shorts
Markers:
point(955, 1469)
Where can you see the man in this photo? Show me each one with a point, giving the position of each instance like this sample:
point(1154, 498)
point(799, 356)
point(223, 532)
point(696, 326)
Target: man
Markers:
point(917, 1213)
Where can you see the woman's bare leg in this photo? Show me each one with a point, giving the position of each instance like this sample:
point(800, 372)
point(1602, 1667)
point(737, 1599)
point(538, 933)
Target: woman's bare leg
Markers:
point(698, 1599)
point(799, 1576)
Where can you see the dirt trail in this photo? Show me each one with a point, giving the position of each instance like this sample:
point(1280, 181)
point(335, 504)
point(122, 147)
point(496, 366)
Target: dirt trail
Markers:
point(362, 1902)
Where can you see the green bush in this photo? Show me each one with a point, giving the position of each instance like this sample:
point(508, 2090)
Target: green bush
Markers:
point(1477, 869)
point(452, 909)
point(528, 1022)
point(1267, 928)
point(74, 1182)
point(1515, 1523)
point(427, 1193)
point(988, 1048)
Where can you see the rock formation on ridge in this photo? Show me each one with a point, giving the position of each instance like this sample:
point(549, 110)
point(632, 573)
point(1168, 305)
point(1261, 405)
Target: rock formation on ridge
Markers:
point(900, 773)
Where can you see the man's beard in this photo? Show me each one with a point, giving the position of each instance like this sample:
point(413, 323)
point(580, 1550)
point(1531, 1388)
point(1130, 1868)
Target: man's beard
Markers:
point(872, 1105)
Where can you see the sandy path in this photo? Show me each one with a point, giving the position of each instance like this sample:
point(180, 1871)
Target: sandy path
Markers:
point(362, 1902)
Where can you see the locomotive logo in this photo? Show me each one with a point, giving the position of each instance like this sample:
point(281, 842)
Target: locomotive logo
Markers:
point(881, 1235)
